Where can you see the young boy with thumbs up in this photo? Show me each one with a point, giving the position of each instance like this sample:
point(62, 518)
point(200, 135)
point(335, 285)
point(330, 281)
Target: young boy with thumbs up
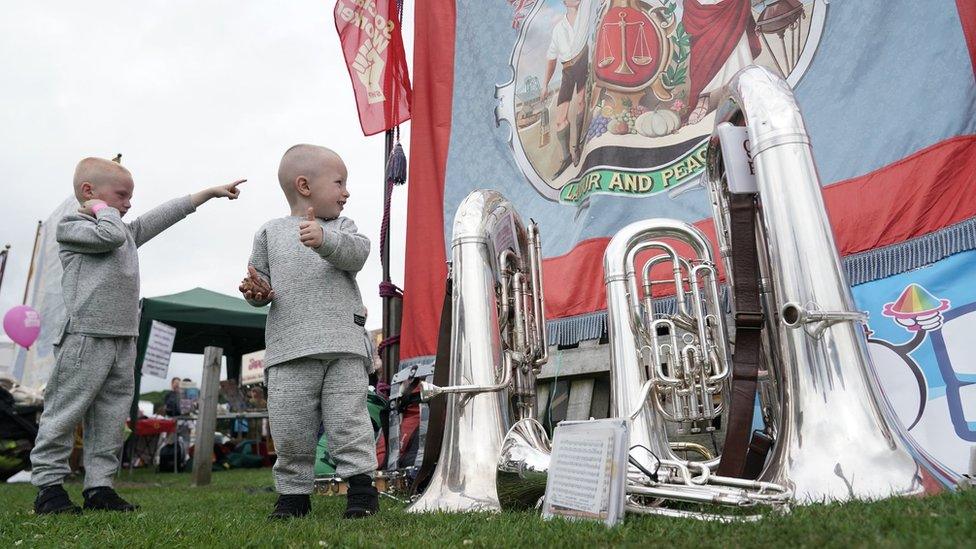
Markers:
point(316, 360)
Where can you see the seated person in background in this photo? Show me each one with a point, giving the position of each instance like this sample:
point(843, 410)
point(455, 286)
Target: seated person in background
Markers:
point(171, 402)
point(256, 398)
point(189, 395)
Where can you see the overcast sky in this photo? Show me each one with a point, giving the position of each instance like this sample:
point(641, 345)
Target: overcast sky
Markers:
point(193, 94)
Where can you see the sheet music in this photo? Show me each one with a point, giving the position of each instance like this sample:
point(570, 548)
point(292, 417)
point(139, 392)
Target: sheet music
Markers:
point(578, 473)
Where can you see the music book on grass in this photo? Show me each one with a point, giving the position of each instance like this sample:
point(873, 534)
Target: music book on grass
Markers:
point(588, 471)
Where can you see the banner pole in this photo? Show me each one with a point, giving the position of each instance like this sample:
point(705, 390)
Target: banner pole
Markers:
point(387, 357)
point(3, 262)
point(30, 270)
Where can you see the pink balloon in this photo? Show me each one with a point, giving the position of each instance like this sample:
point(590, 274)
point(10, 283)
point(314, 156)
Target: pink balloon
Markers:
point(22, 324)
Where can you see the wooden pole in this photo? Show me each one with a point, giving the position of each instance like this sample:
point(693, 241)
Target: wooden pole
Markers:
point(206, 416)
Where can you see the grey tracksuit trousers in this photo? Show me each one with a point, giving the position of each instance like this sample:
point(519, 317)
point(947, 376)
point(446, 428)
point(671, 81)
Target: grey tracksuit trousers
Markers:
point(92, 381)
point(307, 392)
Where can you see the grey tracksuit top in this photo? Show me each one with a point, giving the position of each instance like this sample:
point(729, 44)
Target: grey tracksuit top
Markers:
point(100, 284)
point(317, 308)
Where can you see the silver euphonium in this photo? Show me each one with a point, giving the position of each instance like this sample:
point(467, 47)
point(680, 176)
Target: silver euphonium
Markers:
point(671, 368)
point(835, 437)
point(498, 345)
point(685, 386)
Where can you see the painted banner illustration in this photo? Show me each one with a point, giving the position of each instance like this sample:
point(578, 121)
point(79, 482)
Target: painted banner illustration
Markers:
point(921, 340)
point(592, 114)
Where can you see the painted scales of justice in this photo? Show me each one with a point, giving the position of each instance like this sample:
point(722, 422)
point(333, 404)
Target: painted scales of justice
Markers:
point(834, 436)
point(633, 47)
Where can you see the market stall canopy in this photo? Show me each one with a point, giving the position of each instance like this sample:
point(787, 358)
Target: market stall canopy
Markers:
point(204, 318)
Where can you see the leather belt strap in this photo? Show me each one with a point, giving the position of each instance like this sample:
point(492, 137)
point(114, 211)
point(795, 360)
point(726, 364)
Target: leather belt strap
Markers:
point(437, 408)
point(756, 458)
point(748, 336)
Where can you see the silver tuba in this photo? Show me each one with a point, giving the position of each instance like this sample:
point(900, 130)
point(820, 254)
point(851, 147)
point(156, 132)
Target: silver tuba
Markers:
point(498, 345)
point(836, 437)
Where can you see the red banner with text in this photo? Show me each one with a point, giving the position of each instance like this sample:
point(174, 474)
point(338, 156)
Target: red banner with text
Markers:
point(372, 45)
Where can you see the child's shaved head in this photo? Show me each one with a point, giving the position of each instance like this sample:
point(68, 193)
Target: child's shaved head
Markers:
point(303, 160)
point(98, 172)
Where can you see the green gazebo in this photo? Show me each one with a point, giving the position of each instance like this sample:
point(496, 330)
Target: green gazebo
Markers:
point(202, 318)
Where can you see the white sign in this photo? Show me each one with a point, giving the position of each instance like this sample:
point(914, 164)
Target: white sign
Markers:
point(252, 368)
point(586, 476)
point(158, 349)
point(737, 155)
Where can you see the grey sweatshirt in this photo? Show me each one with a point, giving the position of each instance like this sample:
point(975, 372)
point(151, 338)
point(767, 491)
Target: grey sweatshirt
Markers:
point(100, 284)
point(317, 308)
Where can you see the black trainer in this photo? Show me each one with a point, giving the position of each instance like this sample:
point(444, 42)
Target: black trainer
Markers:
point(104, 498)
point(52, 500)
point(362, 499)
point(291, 506)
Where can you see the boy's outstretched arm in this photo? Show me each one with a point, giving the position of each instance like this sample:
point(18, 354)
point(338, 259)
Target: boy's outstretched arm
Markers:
point(160, 218)
point(78, 234)
point(344, 247)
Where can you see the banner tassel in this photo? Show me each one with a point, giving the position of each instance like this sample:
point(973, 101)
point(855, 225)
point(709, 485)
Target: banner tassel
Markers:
point(396, 165)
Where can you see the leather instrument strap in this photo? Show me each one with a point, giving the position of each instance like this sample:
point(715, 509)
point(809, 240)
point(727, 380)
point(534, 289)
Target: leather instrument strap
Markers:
point(437, 408)
point(748, 340)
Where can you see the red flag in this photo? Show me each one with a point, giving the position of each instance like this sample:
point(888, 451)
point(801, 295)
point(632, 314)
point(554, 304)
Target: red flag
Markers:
point(372, 44)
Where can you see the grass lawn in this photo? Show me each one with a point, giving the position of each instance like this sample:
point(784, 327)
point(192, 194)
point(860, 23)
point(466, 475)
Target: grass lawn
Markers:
point(231, 513)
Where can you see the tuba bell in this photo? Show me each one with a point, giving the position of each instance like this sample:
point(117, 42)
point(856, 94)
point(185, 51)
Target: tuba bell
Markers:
point(498, 346)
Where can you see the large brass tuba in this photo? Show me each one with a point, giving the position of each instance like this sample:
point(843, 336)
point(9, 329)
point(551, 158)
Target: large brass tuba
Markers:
point(498, 345)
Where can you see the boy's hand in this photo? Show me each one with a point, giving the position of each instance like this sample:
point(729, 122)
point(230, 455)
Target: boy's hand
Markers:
point(229, 191)
point(221, 191)
point(309, 230)
point(86, 208)
point(255, 287)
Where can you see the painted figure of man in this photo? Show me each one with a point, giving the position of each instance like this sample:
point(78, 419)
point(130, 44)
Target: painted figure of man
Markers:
point(569, 48)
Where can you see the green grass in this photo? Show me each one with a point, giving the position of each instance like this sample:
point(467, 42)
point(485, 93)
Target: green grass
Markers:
point(231, 513)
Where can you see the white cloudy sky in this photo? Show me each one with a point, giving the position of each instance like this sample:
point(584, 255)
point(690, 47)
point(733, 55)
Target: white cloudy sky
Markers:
point(192, 94)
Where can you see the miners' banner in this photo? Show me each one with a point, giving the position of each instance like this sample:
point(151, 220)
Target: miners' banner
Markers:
point(591, 114)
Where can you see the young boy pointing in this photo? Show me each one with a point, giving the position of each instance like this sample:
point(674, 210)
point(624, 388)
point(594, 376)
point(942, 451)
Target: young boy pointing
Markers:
point(92, 379)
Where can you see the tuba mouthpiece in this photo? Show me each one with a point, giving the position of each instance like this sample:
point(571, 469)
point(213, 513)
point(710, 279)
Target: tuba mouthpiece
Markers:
point(429, 391)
